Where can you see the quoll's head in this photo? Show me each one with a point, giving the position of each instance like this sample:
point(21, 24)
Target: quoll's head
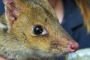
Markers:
point(35, 22)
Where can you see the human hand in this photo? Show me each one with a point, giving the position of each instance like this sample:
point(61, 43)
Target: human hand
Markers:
point(3, 58)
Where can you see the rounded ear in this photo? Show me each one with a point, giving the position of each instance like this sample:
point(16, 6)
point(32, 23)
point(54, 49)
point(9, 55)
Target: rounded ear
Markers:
point(11, 11)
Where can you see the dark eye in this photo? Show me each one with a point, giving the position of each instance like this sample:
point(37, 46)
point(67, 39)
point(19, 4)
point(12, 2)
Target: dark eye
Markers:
point(39, 30)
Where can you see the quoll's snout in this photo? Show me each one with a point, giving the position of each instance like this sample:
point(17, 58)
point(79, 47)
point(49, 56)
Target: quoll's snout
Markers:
point(64, 43)
point(73, 46)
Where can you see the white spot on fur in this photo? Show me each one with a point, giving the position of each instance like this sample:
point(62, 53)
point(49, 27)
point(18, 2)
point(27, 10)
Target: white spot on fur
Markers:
point(24, 20)
point(2, 26)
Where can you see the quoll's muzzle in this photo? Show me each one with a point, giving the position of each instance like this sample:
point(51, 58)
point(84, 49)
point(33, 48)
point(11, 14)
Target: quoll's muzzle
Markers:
point(73, 46)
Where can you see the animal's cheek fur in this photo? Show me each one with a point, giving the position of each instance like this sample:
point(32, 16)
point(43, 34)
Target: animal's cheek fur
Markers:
point(39, 43)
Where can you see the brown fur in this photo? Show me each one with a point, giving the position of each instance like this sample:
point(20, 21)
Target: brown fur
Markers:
point(20, 43)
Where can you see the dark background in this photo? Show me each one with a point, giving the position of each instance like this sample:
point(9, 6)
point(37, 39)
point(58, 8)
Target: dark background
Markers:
point(1, 7)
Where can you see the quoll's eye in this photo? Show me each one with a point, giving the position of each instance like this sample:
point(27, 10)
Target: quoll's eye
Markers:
point(39, 30)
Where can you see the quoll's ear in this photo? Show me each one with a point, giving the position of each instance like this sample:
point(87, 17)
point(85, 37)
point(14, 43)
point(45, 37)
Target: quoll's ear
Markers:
point(11, 11)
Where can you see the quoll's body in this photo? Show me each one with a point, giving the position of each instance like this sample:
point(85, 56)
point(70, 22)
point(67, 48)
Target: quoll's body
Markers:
point(32, 32)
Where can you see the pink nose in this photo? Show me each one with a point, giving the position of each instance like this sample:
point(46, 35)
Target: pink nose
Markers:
point(73, 46)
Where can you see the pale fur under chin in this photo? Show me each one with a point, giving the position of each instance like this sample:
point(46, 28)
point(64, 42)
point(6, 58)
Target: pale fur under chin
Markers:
point(26, 54)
